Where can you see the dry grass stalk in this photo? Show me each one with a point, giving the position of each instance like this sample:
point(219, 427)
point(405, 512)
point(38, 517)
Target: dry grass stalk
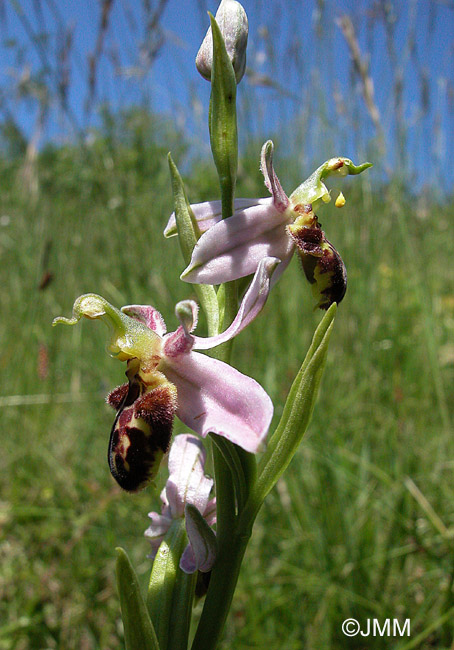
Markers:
point(362, 68)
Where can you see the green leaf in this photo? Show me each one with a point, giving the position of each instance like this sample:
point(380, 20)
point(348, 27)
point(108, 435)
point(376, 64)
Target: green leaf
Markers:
point(222, 120)
point(188, 234)
point(188, 230)
point(297, 411)
point(139, 631)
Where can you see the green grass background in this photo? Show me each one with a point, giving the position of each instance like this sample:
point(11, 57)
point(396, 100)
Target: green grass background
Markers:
point(362, 523)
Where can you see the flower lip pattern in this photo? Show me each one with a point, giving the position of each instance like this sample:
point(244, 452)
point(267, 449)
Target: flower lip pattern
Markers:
point(142, 429)
point(187, 485)
point(232, 248)
point(211, 396)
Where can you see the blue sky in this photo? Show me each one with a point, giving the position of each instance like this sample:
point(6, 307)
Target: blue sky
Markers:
point(297, 46)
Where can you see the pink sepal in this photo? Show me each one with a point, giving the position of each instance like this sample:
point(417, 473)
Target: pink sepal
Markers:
point(187, 482)
point(210, 512)
point(188, 563)
point(234, 247)
point(157, 530)
point(207, 214)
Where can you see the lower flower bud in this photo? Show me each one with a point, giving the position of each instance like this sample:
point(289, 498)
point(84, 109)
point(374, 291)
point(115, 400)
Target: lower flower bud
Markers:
point(322, 264)
point(141, 432)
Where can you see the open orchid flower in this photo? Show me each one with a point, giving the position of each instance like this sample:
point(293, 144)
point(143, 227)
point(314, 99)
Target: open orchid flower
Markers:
point(232, 248)
point(165, 377)
point(186, 487)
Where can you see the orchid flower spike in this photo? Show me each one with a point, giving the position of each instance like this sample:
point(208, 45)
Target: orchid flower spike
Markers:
point(165, 377)
point(187, 488)
point(232, 248)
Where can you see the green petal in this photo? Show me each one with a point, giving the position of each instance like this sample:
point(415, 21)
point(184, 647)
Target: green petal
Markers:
point(129, 339)
point(313, 189)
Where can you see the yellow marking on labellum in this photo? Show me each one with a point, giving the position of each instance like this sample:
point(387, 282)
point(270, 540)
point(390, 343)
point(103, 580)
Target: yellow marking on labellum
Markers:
point(124, 445)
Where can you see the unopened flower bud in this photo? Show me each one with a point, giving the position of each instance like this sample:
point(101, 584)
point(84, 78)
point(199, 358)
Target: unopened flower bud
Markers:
point(233, 23)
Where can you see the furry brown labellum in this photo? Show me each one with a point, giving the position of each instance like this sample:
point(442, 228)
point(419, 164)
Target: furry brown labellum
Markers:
point(142, 430)
point(322, 264)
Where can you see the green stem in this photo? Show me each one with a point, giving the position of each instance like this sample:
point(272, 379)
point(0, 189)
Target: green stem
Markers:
point(225, 502)
point(227, 196)
point(230, 308)
point(220, 592)
point(231, 546)
point(225, 489)
point(283, 444)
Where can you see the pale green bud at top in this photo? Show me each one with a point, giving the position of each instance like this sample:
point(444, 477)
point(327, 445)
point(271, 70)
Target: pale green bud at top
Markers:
point(233, 23)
